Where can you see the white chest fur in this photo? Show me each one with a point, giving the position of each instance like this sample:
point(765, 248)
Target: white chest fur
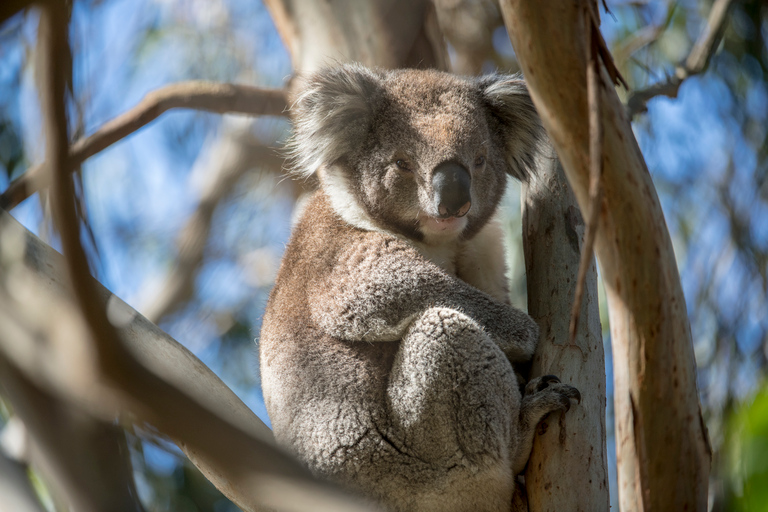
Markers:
point(480, 262)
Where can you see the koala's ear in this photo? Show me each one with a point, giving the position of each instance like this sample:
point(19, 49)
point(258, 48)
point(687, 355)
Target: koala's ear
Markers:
point(513, 114)
point(332, 115)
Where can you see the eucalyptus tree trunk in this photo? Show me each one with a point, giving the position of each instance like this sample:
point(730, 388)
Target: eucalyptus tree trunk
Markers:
point(385, 33)
point(662, 446)
point(568, 465)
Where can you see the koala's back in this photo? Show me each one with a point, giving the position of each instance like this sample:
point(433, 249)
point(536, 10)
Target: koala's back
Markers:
point(336, 403)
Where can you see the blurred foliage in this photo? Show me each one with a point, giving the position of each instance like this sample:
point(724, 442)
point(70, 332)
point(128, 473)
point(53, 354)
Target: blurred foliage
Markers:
point(746, 456)
point(707, 151)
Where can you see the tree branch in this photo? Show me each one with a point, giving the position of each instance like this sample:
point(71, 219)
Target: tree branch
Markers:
point(643, 37)
point(16, 492)
point(696, 62)
point(86, 459)
point(197, 95)
point(658, 416)
point(123, 385)
point(234, 157)
point(42, 334)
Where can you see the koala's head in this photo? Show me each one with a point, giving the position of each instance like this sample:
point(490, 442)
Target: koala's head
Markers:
point(422, 154)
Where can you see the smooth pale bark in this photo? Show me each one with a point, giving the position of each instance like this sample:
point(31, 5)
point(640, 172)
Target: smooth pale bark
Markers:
point(662, 446)
point(386, 33)
point(43, 337)
point(568, 465)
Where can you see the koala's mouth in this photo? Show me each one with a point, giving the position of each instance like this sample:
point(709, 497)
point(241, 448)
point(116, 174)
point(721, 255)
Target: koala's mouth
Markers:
point(442, 227)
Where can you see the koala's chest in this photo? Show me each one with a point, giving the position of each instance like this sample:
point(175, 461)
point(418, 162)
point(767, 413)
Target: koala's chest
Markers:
point(442, 256)
point(479, 262)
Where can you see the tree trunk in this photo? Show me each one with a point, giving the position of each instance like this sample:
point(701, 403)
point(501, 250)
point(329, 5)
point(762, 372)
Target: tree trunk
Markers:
point(662, 446)
point(387, 33)
point(568, 465)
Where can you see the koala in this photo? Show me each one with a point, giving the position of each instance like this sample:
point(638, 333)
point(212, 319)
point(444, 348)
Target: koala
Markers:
point(388, 341)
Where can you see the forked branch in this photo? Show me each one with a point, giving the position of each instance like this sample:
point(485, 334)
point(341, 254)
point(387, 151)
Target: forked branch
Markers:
point(696, 62)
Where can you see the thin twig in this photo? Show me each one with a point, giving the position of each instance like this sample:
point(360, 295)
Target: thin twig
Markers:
point(179, 283)
point(696, 63)
point(644, 37)
point(595, 171)
point(197, 95)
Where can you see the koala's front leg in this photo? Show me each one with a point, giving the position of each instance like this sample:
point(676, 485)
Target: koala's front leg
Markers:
point(451, 391)
point(543, 395)
point(382, 285)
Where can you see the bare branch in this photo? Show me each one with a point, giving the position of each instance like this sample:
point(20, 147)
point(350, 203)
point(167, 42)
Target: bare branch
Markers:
point(696, 62)
point(645, 36)
point(468, 26)
point(197, 95)
point(316, 32)
point(42, 334)
point(573, 444)
point(234, 157)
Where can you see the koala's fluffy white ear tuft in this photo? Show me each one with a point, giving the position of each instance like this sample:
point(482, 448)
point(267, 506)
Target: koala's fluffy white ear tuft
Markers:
point(510, 105)
point(333, 110)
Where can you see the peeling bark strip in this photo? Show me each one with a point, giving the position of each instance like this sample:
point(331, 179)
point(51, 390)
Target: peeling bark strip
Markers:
point(568, 465)
point(664, 464)
point(595, 167)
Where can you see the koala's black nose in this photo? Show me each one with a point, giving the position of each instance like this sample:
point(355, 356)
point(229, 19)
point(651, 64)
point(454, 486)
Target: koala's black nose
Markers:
point(451, 183)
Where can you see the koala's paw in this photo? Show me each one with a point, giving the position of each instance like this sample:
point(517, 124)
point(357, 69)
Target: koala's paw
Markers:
point(544, 395)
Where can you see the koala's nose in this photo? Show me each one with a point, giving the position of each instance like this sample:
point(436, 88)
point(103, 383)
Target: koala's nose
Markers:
point(451, 183)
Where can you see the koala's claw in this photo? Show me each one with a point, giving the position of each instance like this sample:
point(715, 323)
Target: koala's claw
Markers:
point(546, 380)
point(540, 383)
point(546, 394)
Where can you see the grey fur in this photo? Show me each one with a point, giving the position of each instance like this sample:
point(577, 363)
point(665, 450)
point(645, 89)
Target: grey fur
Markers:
point(387, 340)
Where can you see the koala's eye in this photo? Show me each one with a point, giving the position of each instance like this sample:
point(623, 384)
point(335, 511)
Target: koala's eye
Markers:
point(402, 164)
point(479, 161)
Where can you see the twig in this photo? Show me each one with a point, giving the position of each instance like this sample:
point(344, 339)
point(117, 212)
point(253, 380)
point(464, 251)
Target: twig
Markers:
point(207, 96)
point(696, 62)
point(179, 283)
point(644, 37)
point(595, 170)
